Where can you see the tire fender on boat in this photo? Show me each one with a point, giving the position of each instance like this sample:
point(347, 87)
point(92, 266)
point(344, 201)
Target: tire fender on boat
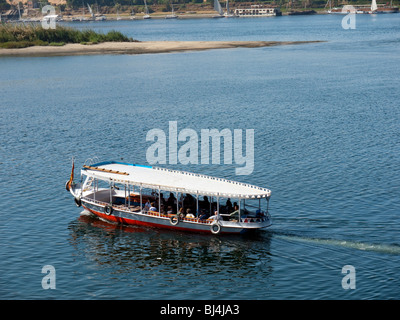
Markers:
point(78, 202)
point(108, 209)
point(215, 227)
point(174, 220)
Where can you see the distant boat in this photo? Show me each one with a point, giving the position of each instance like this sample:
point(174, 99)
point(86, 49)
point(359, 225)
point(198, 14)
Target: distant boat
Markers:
point(147, 15)
point(218, 8)
point(98, 16)
point(374, 7)
point(118, 16)
point(257, 11)
point(82, 18)
point(382, 9)
point(19, 13)
point(362, 9)
point(91, 12)
point(228, 13)
point(172, 15)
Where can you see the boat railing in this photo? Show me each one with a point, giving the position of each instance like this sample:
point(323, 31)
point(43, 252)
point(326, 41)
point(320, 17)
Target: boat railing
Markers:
point(248, 219)
point(187, 219)
point(94, 201)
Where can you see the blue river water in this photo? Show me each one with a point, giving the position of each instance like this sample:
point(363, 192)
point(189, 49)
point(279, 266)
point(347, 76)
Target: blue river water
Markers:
point(326, 119)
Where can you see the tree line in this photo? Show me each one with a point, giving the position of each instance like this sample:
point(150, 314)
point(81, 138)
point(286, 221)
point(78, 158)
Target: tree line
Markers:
point(111, 3)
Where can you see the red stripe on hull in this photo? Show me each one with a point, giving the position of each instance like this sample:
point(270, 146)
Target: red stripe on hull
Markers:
point(148, 224)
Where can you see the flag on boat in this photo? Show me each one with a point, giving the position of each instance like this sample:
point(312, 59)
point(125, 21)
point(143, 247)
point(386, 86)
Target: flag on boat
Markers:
point(71, 178)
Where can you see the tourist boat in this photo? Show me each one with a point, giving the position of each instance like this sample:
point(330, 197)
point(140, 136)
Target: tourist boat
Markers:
point(133, 194)
point(257, 11)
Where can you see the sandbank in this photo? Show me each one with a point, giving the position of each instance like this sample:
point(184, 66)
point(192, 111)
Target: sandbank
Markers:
point(138, 47)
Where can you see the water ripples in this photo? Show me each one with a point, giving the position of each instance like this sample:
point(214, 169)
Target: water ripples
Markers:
point(326, 143)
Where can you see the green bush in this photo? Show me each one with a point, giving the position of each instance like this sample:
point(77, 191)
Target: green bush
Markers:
point(56, 44)
point(16, 44)
point(21, 36)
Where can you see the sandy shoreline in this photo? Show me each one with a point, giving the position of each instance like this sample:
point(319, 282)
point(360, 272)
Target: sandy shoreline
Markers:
point(138, 47)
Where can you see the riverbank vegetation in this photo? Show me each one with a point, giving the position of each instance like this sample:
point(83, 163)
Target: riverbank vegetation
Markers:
point(137, 6)
point(21, 36)
point(232, 3)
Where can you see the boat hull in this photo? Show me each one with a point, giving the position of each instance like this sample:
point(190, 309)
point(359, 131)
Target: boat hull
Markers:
point(122, 215)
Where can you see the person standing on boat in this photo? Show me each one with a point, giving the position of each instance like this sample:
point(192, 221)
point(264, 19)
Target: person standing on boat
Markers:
point(162, 200)
point(171, 202)
point(205, 204)
point(228, 206)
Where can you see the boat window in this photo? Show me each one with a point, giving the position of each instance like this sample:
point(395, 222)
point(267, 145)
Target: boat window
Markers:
point(254, 207)
point(101, 185)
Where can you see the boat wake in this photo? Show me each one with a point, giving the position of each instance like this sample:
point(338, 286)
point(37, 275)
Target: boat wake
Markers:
point(393, 249)
point(86, 213)
point(379, 248)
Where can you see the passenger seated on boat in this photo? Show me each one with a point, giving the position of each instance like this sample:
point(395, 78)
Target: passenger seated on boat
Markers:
point(147, 206)
point(189, 213)
point(244, 213)
point(153, 208)
point(162, 209)
point(169, 210)
point(204, 215)
point(181, 213)
point(259, 213)
point(235, 212)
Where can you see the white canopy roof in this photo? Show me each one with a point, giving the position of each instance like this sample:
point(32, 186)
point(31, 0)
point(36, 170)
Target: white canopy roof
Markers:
point(173, 180)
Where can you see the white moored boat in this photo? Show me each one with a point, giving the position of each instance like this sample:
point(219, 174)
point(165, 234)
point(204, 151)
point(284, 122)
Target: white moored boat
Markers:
point(134, 195)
